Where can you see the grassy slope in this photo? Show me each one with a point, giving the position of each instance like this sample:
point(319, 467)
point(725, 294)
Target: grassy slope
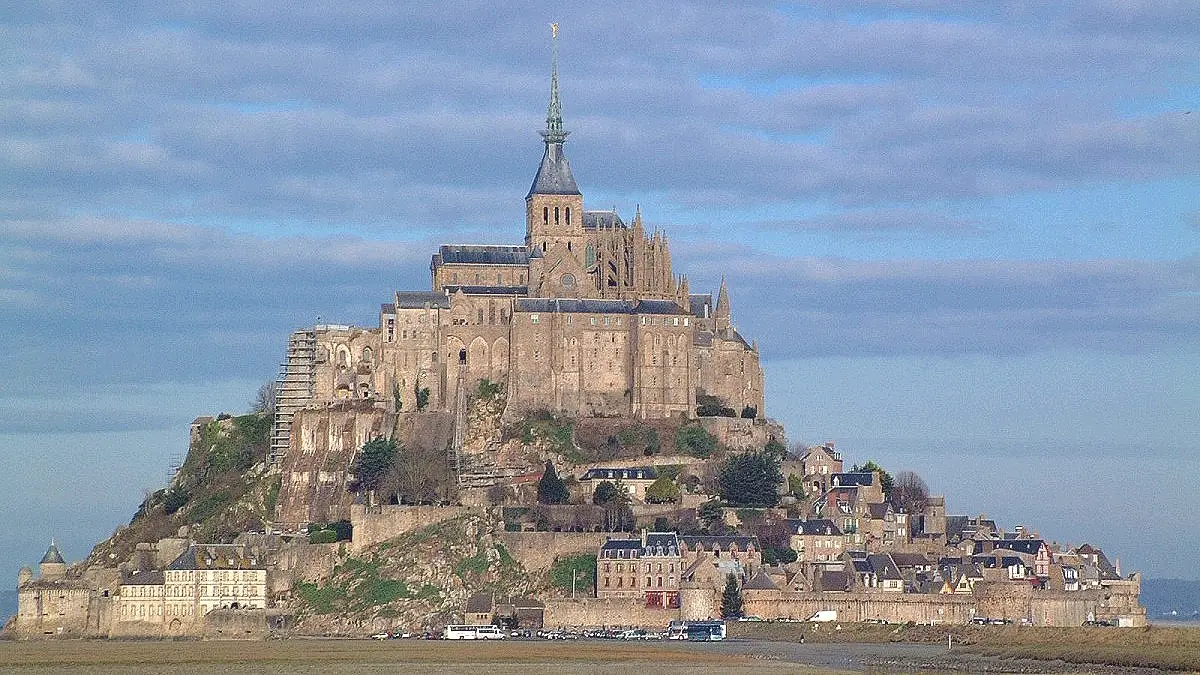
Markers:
point(221, 489)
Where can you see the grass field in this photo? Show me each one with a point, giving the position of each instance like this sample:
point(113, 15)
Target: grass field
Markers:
point(80, 657)
point(1152, 647)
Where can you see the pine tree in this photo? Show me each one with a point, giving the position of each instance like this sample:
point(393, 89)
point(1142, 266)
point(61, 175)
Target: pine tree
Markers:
point(731, 599)
point(551, 489)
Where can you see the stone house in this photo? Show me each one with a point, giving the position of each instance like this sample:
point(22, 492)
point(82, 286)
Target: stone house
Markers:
point(816, 539)
point(708, 560)
point(634, 480)
point(817, 464)
point(54, 604)
point(649, 568)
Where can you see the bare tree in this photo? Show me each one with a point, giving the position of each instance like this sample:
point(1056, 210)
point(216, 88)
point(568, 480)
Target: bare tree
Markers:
point(264, 399)
point(910, 494)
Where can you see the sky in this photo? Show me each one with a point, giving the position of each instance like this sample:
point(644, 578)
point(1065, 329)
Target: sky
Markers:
point(966, 236)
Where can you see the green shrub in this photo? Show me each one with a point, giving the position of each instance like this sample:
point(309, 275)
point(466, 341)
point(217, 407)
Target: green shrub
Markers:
point(584, 568)
point(695, 441)
point(322, 537)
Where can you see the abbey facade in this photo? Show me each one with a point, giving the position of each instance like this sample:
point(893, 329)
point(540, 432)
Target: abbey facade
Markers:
point(585, 318)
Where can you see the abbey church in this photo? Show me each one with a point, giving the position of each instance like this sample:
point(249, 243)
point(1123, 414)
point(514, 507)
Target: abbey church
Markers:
point(585, 318)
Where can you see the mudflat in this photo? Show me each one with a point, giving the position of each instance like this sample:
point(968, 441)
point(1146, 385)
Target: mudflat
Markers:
point(316, 656)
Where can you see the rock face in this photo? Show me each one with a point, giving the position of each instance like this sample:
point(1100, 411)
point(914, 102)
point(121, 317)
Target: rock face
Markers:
point(416, 581)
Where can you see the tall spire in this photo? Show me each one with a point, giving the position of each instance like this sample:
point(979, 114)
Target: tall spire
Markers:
point(554, 125)
point(554, 176)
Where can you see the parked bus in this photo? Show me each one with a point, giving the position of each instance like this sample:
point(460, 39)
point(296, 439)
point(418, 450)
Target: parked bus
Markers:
point(459, 632)
point(696, 631)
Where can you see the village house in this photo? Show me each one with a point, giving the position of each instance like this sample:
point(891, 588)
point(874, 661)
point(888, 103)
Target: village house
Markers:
point(647, 568)
point(633, 480)
point(816, 539)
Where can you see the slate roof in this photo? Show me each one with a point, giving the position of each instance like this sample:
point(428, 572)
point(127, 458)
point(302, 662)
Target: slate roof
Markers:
point(698, 301)
point(53, 555)
point(143, 578)
point(884, 567)
point(878, 511)
point(1030, 546)
point(631, 473)
point(554, 175)
point(760, 582)
point(418, 299)
point(815, 526)
point(480, 254)
point(480, 603)
point(834, 580)
point(911, 560)
point(710, 542)
point(488, 290)
point(215, 556)
point(602, 220)
point(860, 478)
point(578, 306)
point(657, 543)
point(621, 545)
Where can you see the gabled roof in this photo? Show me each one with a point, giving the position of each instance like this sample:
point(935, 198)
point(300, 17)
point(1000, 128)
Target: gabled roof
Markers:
point(858, 478)
point(487, 290)
point(884, 567)
point(630, 473)
point(661, 543)
point(216, 557)
point(142, 578)
point(602, 220)
point(593, 306)
point(879, 511)
point(621, 545)
point(418, 300)
point(904, 560)
point(815, 526)
point(760, 582)
point(712, 542)
point(834, 580)
point(480, 254)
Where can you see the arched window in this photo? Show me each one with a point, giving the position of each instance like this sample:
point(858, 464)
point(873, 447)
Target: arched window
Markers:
point(545, 215)
point(556, 215)
point(367, 354)
point(568, 215)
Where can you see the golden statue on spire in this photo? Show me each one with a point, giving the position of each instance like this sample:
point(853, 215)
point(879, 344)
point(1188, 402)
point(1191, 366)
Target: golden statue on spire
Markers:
point(554, 30)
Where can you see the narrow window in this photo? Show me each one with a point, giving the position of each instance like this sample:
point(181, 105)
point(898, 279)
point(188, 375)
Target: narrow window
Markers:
point(556, 215)
point(545, 215)
point(568, 215)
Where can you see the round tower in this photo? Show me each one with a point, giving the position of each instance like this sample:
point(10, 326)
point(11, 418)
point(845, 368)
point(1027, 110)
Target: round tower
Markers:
point(53, 566)
point(24, 576)
point(696, 602)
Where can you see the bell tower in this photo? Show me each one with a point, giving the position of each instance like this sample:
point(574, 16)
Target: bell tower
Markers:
point(554, 205)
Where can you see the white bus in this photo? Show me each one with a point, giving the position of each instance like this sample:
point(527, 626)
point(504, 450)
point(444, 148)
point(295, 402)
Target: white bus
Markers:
point(459, 632)
point(696, 631)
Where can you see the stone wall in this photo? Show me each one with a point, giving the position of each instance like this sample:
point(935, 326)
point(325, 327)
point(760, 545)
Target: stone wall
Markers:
point(373, 524)
point(537, 550)
point(235, 624)
point(738, 433)
point(593, 612)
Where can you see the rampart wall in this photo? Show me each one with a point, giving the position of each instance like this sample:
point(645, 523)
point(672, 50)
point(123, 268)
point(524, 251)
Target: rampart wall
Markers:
point(595, 612)
point(373, 524)
point(537, 550)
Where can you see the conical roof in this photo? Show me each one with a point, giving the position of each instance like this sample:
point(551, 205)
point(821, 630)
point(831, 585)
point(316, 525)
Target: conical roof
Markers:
point(53, 555)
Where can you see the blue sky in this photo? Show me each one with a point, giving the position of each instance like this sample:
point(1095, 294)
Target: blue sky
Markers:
point(965, 235)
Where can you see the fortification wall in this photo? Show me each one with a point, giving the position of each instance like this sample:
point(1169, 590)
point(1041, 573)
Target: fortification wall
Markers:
point(303, 562)
point(234, 624)
point(595, 612)
point(537, 550)
point(373, 524)
point(738, 433)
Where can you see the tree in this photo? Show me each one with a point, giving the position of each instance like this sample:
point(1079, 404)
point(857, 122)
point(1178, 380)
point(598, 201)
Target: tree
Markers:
point(712, 517)
point(373, 464)
point(695, 441)
point(264, 399)
point(750, 479)
point(910, 494)
point(662, 491)
point(776, 449)
point(795, 485)
point(551, 489)
point(731, 599)
point(606, 493)
point(422, 394)
point(885, 478)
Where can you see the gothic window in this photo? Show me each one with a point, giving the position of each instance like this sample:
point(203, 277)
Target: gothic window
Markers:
point(589, 256)
point(479, 316)
point(367, 354)
point(543, 247)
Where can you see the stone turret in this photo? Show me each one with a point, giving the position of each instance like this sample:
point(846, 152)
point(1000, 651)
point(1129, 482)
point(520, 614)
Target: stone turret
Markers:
point(721, 314)
point(53, 566)
point(24, 576)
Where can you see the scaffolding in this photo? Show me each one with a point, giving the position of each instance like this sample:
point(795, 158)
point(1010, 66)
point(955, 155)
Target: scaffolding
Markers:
point(293, 390)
